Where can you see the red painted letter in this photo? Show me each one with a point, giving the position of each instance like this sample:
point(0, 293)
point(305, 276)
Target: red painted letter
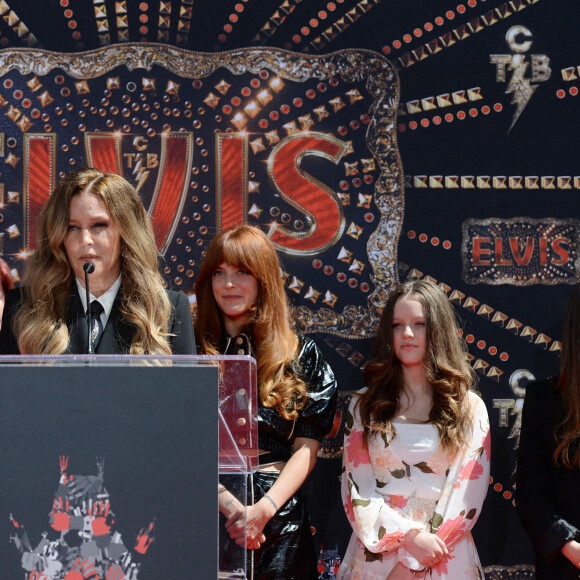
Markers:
point(479, 252)
point(515, 248)
point(231, 180)
point(560, 251)
point(312, 198)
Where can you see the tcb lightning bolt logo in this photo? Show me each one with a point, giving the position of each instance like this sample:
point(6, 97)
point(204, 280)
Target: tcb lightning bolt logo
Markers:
point(521, 87)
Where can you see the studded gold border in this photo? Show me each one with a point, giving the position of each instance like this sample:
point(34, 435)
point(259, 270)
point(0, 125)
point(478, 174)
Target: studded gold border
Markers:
point(353, 66)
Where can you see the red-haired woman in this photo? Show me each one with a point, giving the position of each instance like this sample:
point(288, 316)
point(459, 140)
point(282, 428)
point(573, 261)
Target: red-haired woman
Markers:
point(243, 308)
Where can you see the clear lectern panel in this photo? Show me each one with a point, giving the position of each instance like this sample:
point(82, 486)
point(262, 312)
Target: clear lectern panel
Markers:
point(238, 448)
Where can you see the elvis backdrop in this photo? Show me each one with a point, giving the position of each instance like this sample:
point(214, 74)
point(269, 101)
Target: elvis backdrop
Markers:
point(374, 140)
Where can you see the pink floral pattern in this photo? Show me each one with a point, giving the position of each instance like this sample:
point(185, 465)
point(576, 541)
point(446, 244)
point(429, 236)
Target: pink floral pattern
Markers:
point(391, 541)
point(439, 462)
point(397, 501)
point(452, 530)
point(472, 470)
point(348, 509)
point(386, 463)
point(385, 497)
point(355, 448)
point(486, 445)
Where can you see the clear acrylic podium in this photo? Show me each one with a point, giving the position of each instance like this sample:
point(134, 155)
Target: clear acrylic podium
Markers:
point(112, 463)
point(238, 449)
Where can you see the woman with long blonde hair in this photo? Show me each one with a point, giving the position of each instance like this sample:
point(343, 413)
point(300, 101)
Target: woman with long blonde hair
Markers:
point(243, 309)
point(98, 218)
point(417, 447)
point(548, 473)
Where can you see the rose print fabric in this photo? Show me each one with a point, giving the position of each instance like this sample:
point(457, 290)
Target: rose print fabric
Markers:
point(409, 482)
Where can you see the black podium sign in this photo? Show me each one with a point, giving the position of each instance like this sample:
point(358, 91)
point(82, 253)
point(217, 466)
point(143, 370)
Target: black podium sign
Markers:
point(108, 472)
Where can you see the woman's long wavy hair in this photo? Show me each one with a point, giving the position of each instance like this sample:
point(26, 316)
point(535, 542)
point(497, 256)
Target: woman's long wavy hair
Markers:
point(40, 326)
point(274, 341)
point(446, 369)
point(567, 434)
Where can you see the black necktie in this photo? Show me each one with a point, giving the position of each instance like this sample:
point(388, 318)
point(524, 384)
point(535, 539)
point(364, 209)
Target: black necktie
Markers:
point(97, 324)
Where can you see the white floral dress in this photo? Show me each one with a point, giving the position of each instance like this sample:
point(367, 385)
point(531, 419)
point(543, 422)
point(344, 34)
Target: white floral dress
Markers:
point(411, 483)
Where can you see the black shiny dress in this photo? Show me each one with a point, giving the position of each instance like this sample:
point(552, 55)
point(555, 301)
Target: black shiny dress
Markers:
point(288, 552)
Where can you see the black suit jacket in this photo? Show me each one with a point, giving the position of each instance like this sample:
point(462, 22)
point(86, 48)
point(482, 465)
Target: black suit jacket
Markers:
point(117, 334)
point(546, 494)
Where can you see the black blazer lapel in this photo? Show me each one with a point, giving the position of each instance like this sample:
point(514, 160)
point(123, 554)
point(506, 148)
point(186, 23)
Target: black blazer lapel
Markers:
point(76, 321)
point(117, 334)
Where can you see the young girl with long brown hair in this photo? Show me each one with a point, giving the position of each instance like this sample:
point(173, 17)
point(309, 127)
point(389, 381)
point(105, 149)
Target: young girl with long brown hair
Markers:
point(243, 309)
point(417, 448)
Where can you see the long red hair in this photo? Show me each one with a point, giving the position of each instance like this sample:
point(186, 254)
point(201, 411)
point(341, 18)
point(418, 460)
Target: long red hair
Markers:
point(274, 341)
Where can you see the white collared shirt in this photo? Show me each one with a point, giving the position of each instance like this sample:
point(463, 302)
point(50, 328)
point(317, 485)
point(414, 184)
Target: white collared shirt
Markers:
point(106, 299)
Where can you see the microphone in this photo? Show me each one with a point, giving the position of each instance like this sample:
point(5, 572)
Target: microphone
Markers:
point(89, 268)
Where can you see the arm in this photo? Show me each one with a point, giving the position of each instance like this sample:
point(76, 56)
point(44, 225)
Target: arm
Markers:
point(295, 472)
point(292, 476)
point(400, 572)
point(182, 340)
point(547, 528)
point(467, 481)
point(571, 550)
point(229, 505)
